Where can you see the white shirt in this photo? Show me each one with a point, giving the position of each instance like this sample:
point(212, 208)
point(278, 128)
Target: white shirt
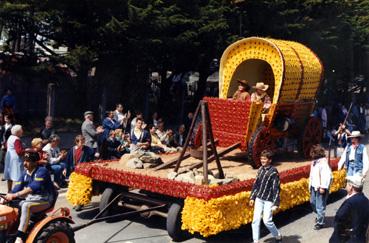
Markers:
point(342, 161)
point(320, 174)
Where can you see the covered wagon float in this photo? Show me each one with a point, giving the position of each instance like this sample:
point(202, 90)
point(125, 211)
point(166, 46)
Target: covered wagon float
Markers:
point(206, 187)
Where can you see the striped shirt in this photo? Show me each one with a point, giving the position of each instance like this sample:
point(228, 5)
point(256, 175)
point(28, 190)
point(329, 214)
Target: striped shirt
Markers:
point(266, 185)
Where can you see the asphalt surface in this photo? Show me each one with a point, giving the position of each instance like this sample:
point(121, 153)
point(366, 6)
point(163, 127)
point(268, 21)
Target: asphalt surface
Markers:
point(296, 225)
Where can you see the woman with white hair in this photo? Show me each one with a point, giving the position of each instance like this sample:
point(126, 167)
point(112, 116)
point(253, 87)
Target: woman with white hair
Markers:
point(13, 163)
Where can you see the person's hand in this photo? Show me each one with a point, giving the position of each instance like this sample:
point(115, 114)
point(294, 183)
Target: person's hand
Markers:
point(251, 203)
point(10, 196)
point(65, 172)
point(274, 208)
point(144, 126)
point(321, 190)
point(129, 114)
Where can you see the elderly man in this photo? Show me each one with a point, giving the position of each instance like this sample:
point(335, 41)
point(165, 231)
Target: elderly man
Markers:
point(352, 218)
point(36, 187)
point(355, 157)
point(90, 133)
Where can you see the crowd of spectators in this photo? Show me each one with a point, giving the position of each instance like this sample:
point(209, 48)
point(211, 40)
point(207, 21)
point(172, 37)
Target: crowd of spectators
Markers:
point(119, 133)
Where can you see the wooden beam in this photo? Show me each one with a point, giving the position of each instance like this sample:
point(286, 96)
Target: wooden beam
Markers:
point(212, 157)
point(174, 160)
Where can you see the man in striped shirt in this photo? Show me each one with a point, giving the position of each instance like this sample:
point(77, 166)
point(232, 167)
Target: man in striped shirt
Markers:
point(265, 197)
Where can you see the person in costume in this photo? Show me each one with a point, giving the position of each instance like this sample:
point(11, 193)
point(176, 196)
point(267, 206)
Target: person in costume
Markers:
point(242, 93)
point(355, 157)
point(260, 95)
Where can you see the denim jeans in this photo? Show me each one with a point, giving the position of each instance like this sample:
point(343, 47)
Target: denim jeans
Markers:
point(57, 170)
point(351, 170)
point(318, 202)
point(263, 209)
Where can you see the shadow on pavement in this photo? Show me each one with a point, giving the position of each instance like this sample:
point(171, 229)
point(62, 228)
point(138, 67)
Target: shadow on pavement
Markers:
point(286, 239)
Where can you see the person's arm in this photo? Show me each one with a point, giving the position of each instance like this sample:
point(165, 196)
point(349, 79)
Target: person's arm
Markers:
point(18, 147)
point(90, 129)
point(19, 185)
point(255, 186)
point(343, 212)
point(365, 161)
point(276, 189)
point(325, 175)
point(342, 161)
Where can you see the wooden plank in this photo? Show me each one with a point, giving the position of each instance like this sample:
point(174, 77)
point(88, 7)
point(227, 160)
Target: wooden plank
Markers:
point(171, 162)
point(212, 157)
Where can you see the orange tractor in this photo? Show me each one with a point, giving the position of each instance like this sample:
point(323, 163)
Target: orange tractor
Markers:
point(44, 228)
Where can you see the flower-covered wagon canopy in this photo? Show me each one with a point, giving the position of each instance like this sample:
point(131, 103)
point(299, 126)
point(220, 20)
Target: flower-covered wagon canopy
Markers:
point(292, 71)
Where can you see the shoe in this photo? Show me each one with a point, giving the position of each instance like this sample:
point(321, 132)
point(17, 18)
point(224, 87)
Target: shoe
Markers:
point(318, 226)
point(278, 239)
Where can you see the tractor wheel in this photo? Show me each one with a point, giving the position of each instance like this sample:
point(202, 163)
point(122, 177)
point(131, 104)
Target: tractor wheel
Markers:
point(174, 223)
point(108, 195)
point(260, 140)
point(312, 135)
point(56, 232)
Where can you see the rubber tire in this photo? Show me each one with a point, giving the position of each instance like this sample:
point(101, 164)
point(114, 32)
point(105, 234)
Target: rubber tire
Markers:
point(53, 227)
point(108, 195)
point(174, 223)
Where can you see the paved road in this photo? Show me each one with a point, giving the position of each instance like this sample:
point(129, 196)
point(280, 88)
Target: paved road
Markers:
point(296, 226)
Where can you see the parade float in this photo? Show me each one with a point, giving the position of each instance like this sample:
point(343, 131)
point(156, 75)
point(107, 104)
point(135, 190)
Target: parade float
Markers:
point(226, 145)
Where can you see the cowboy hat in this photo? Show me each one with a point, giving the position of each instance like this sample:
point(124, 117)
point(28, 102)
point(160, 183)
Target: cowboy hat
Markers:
point(355, 180)
point(355, 134)
point(261, 86)
point(243, 81)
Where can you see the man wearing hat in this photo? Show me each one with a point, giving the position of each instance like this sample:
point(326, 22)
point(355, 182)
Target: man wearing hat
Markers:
point(260, 95)
point(355, 157)
point(89, 131)
point(352, 218)
point(242, 91)
point(37, 189)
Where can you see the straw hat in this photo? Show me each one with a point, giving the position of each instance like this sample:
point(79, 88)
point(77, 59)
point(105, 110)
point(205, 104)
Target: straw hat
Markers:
point(261, 86)
point(355, 134)
point(355, 180)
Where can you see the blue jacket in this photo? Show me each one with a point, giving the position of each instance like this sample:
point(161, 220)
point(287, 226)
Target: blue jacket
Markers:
point(353, 214)
point(108, 125)
point(358, 164)
point(39, 181)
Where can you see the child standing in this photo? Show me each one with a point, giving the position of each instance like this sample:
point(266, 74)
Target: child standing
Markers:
point(265, 197)
point(319, 181)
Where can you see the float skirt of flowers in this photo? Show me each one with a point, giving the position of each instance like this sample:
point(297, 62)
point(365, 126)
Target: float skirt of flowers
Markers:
point(209, 217)
point(79, 189)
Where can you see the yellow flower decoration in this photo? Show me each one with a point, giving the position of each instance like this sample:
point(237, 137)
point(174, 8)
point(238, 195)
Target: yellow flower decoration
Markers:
point(79, 189)
point(230, 212)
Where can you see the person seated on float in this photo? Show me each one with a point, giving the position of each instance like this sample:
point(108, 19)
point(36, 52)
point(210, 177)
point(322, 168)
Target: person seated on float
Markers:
point(242, 93)
point(36, 188)
point(113, 149)
point(140, 138)
point(79, 153)
point(156, 145)
point(260, 95)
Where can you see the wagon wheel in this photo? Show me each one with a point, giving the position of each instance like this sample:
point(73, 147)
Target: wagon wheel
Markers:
point(260, 140)
point(312, 135)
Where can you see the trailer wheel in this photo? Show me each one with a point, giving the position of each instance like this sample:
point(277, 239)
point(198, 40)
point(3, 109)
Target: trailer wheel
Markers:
point(174, 223)
point(260, 140)
point(56, 232)
point(108, 195)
